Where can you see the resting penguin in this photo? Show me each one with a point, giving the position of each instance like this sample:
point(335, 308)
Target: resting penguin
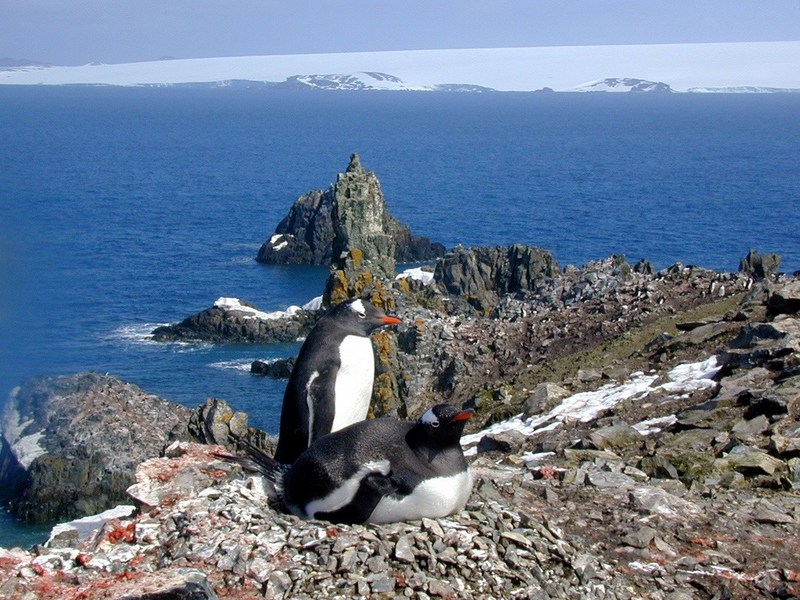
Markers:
point(331, 384)
point(377, 471)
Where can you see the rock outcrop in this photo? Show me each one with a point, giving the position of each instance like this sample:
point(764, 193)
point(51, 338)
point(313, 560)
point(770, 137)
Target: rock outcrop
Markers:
point(364, 267)
point(760, 266)
point(216, 423)
point(306, 235)
point(480, 276)
point(359, 220)
point(278, 369)
point(71, 444)
point(662, 477)
point(231, 320)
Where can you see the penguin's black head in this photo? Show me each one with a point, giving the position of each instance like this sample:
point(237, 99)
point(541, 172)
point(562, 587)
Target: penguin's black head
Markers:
point(359, 317)
point(444, 423)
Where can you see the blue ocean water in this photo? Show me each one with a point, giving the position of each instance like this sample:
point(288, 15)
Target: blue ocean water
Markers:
point(121, 209)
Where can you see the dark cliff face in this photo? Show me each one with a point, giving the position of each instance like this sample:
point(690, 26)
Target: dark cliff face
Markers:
point(482, 275)
point(71, 444)
point(307, 234)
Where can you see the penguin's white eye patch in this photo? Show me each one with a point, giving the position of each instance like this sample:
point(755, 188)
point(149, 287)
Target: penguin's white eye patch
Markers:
point(429, 418)
point(358, 308)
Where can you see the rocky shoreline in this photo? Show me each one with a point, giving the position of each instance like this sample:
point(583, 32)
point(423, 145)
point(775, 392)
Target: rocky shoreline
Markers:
point(671, 489)
point(637, 435)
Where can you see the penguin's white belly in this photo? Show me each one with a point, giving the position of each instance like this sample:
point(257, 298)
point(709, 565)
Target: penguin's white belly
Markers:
point(353, 387)
point(432, 498)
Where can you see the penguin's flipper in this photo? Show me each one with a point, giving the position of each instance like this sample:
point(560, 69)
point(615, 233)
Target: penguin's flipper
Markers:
point(373, 487)
point(319, 396)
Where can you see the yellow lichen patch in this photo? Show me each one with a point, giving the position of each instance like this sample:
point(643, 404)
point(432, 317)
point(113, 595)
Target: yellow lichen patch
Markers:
point(384, 396)
point(403, 285)
point(358, 256)
point(339, 291)
point(384, 347)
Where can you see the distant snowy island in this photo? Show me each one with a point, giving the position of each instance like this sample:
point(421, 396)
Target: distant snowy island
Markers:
point(751, 67)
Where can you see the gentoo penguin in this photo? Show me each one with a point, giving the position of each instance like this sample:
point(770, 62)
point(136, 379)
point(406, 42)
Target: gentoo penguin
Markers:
point(378, 471)
point(331, 384)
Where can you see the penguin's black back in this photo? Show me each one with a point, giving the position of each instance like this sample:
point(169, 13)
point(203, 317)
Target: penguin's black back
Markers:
point(336, 357)
point(319, 353)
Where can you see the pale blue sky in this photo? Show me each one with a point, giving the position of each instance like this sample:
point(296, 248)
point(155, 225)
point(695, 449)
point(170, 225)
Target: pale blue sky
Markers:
point(80, 31)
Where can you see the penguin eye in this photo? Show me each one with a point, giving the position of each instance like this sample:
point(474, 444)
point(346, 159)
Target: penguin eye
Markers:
point(434, 424)
point(361, 315)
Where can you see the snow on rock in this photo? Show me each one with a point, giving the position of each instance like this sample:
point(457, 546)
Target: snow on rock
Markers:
point(651, 426)
point(253, 313)
point(314, 304)
point(586, 406)
point(357, 81)
point(26, 448)
point(417, 274)
point(627, 84)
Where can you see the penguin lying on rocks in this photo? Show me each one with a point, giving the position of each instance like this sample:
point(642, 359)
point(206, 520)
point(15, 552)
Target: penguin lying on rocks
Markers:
point(377, 471)
point(331, 383)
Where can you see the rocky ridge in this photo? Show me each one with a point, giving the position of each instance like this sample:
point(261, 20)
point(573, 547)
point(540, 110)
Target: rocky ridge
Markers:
point(682, 483)
point(625, 84)
point(548, 328)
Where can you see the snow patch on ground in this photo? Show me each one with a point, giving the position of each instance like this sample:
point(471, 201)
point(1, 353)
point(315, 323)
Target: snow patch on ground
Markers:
point(586, 406)
point(86, 526)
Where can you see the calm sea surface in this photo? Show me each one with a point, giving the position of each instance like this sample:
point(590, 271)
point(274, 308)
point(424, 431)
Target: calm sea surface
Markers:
point(122, 209)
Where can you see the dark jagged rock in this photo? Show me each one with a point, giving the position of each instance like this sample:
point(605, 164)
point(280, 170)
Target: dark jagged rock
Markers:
point(760, 266)
point(481, 275)
point(277, 369)
point(784, 300)
point(234, 321)
point(411, 248)
point(644, 266)
point(215, 422)
point(306, 234)
point(71, 444)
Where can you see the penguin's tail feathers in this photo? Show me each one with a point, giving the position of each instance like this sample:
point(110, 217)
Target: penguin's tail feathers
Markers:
point(259, 462)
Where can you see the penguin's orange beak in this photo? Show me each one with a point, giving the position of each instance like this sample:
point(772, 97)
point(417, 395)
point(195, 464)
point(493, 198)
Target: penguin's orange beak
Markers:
point(464, 415)
point(389, 320)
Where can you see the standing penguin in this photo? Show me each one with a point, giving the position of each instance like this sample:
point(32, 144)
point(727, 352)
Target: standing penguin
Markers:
point(331, 384)
point(378, 471)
